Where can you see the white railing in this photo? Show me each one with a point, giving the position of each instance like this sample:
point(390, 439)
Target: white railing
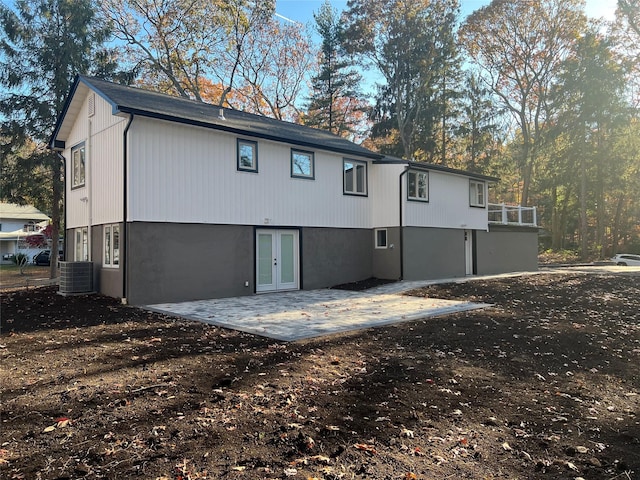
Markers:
point(512, 215)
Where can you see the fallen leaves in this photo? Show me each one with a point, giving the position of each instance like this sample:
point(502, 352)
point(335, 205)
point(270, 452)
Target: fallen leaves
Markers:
point(370, 449)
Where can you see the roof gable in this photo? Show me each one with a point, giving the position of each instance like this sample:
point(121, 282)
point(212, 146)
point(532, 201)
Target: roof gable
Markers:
point(13, 211)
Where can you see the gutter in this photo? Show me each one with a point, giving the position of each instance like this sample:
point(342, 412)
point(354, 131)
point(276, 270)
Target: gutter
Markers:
point(124, 240)
point(404, 172)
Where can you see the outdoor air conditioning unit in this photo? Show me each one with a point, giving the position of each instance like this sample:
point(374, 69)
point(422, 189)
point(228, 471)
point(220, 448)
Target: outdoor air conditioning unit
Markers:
point(76, 278)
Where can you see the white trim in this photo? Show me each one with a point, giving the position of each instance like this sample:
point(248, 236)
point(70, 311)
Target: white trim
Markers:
point(477, 190)
point(111, 246)
point(376, 238)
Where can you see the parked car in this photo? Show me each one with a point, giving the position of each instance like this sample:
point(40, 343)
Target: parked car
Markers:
point(44, 258)
point(627, 259)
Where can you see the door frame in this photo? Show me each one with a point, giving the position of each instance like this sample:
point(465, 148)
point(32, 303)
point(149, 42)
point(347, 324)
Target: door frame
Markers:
point(276, 233)
point(469, 252)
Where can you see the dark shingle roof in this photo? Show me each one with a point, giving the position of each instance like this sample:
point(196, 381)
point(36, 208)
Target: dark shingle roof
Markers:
point(158, 105)
point(438, 168)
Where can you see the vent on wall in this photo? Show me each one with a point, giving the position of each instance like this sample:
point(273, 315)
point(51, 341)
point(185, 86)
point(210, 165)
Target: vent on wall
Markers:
point(76, 278)
point(92, 104)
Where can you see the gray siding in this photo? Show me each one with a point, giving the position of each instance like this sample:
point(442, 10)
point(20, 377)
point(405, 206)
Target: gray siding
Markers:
point(507, 249)
point(431, 253)
point(386, 261)
point(331, 256)
point(107, 281)
point(177, 262)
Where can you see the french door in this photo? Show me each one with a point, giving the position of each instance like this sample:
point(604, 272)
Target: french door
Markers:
point(277, 260)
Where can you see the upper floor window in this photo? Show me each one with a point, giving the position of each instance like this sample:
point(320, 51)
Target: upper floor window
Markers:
point(302, 164)
point(77, 166)
point(355, 177)
point(247, 156)
point(418, 186)
point(476, 193)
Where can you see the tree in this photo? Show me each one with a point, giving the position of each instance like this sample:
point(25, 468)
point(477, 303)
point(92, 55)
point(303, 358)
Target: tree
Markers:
point(233, 49)
point(44, 44)
point(518, 47)
point(273, 66)
point(409, 43)
point(478, 128)
point(334, 101)
point(591, 93)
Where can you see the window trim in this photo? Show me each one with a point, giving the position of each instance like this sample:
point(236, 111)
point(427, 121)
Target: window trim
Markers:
point(84, 234)
point(344, 178)
point(311, 156)
point(473, 193)
point(418, 199)
point(79, 147)
point(254, 145)
point(377, 245)
point(111, 227)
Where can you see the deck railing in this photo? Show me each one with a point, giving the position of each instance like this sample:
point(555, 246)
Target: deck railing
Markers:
point(504, 214)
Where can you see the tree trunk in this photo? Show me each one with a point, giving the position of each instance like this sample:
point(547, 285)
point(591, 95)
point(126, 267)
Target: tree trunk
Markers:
point(56, 172)
point(615, 230)
point(555, 230)
point(584, 240)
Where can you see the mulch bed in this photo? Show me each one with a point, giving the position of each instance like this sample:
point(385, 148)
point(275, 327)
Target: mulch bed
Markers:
point(545, 384)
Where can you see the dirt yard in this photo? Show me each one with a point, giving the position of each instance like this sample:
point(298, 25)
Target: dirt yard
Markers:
point(544, 385)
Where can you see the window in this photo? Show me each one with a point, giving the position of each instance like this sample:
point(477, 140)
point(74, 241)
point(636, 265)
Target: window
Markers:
point(355, 177)
point(302, 164)
point(111, 245)
point(81, 244)
point(247, 156)
point(418, 186)
point(381, 237)
point(77, 166)
point(476, 193)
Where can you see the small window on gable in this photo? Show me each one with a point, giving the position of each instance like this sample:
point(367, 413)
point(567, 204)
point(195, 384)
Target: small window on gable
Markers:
point(418, 186)
point(247, 156)
point(77, 166)
point(381, 237)
point(354, 177)
point(302, 164)
point(476, 193)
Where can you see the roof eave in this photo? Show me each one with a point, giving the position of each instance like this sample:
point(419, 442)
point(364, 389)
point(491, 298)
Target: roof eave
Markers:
point(240, 131)
point(437, 168)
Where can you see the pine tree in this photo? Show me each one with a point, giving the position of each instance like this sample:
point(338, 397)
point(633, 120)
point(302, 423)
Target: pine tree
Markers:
point(43, 45)
point(334, 103)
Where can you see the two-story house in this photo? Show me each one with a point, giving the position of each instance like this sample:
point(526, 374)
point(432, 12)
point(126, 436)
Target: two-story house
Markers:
point(178, 200)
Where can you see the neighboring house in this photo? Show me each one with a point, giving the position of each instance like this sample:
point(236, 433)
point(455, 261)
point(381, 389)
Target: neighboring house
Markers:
point(20, 227)
point(178, 200)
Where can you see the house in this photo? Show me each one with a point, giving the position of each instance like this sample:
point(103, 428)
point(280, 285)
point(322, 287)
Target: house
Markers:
point(20, 231)
point(178, 200)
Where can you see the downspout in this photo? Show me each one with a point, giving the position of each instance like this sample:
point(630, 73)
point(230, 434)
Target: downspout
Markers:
point(400, 202)
point(124, 240)
point(64, 215)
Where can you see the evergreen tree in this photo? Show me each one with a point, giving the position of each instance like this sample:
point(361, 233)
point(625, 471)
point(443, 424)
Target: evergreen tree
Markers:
point(43, 45)
point(334, 104)
point(411, 44)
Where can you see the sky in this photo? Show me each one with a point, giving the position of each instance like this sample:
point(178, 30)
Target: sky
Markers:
point(302, 10)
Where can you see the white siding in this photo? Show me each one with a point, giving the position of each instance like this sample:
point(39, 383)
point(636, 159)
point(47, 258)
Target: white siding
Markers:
point(448, 205)
point(384, 184)
point(100, 200)
point(181, 173)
